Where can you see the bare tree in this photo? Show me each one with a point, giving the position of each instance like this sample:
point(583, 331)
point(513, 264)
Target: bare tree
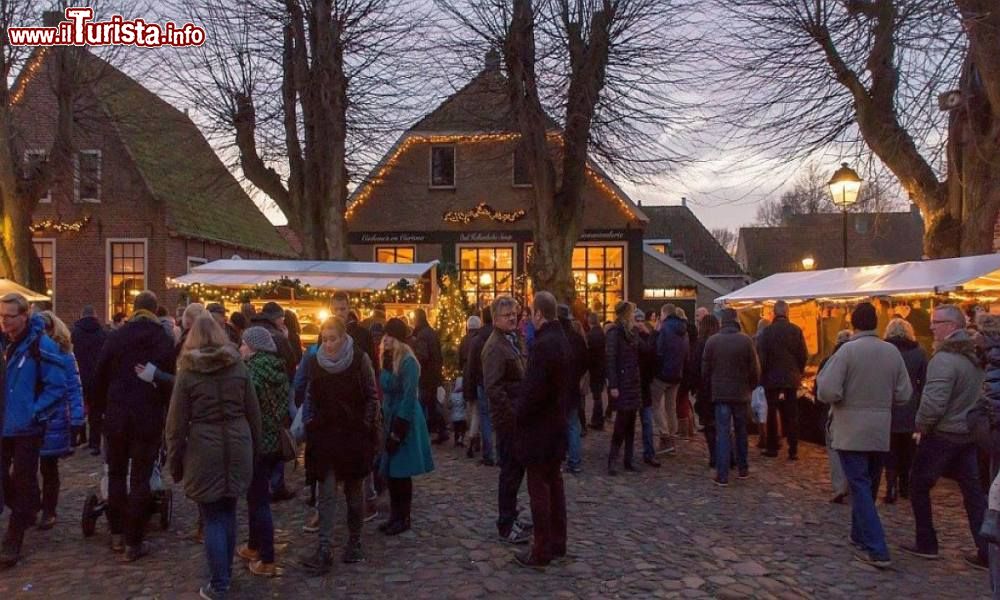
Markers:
point(860, 76)
point(296, 88)
point(592, 72)
point(727, 238)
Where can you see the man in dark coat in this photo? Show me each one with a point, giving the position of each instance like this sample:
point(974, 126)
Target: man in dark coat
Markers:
point(473, 391)
point(540, 438)
point(783, 356)
point(576, 414)
point(595, 352)
point(88, 339)
point(218, 312)
point(134, 419)
point(272, 318)
point(729, 366)
point(427, 348)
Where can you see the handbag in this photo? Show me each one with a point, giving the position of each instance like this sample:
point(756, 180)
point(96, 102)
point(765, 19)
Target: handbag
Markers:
point(982, 427)
point(287, 448)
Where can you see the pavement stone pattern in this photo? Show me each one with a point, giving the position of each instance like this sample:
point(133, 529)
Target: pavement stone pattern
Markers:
point(659, 533)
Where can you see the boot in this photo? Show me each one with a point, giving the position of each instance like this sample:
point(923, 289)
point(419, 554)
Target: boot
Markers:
point(318, 563)
point(890, 488)
point(352, 552)
point(990, 531)
point(10, 550)
point(460, 427)
point(682, 428)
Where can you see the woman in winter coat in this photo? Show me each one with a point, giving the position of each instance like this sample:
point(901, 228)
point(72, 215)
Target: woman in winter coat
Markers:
point(624, 383)
point(270, 384)
point(407, 441)
point(900, 334)
point(703, 407)
point(213, 434)
point(342, 424)
point(64, 425)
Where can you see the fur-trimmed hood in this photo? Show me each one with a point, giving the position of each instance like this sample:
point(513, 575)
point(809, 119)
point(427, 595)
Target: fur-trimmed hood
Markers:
point(209, 359)
point(962, 343)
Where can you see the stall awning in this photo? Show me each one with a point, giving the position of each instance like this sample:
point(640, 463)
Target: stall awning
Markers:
point(319, 274)
point(9, 287)
point(969, 274)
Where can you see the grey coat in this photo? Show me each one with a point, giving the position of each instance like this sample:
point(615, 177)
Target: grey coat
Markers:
point(861, 382)
point(213, 426)
point(954, 383)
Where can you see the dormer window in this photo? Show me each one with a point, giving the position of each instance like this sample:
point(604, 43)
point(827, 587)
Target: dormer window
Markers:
point(442, 166)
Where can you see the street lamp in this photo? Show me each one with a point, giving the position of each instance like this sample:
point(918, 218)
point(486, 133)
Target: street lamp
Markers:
point(844, 187)
point(808, 263)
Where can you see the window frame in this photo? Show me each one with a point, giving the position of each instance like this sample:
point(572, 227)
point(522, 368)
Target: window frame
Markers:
point(454, 167)
point(108, 244)
point(55, 258)
point(77, 175)
point(47, 198)
point(489, 246)
point(395, 250)
point(196, 261)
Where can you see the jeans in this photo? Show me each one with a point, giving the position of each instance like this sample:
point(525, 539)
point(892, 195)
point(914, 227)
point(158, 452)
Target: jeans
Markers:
point(624, 433)
point(260, 521)
point(326, 503)
point(573, 458)
point(648, 448)
point(49, 468)
point(219, 519)
point(789, 408)
point(860, 469)
point(485, 424)
point(276, 477)
point(20, 478)
point(509, 484)
point(729, 417)
point(128, 506)
point(548, 511)
point(935, 457)
point(597, 411)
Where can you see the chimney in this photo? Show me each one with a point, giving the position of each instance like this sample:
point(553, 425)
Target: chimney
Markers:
point(52, 18)
point(638, 203)
point(492, 60)
point(684, 201)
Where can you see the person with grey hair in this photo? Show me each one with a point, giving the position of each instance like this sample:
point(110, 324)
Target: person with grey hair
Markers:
point(88, 338)
point(783, 355)
point(944, 445)
point(460, 415)
point(900, 334)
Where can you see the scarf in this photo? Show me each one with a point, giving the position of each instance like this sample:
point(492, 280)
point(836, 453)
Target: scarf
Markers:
point(336, 364)
point(143, 314)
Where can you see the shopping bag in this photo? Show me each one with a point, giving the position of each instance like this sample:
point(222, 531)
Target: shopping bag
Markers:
point(758, 405)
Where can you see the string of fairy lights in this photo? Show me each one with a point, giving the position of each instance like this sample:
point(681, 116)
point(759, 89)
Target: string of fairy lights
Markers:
point(483, 210)
point(59, 226)
point(27, 74)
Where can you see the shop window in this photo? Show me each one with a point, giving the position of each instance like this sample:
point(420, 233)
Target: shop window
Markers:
point(395, 254)
point(443, 166)
point(126, 273)
point(485, 273)
point(88, 176)
point(46, 251)
point(33, 160)
point(522, 174)
point(599, 277)
point(667, 293)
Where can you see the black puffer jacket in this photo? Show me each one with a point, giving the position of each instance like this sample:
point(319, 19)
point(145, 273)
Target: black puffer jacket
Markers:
point(623, 368)
point(783, 354)
point(88, 339)
point(596, 341)
point(472, 376)
point(578, 360)
point(903, 415)
point(729, 364)
point(427, 348)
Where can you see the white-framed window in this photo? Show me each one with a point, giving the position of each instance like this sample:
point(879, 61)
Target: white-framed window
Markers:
point(127, 271)
point(485, 271)
point(45, 248)
point(521, 176)
point(395, 254)
point(442, 166)
point(600, 275)
point(88, 176)
point(32, 160)
point(661, 245)
point(194, 261)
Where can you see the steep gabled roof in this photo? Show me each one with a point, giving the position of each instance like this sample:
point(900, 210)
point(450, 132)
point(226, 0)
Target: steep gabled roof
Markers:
point(872, 239)
point(202, 198)
point(702, 251)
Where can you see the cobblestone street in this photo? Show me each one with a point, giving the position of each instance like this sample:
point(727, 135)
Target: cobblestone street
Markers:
point(660, 533)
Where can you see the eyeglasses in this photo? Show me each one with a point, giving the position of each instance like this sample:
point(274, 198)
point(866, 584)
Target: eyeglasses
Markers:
point(7, 317)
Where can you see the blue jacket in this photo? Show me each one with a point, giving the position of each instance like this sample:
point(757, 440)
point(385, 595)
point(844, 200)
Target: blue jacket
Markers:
point(68, 414)
point(672, 345)
point(25, 412)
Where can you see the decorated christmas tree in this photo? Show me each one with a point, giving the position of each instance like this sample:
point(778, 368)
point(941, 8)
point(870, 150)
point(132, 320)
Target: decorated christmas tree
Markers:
point(452, 312)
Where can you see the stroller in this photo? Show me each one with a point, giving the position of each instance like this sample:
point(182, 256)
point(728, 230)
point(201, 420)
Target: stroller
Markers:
point(163, 498)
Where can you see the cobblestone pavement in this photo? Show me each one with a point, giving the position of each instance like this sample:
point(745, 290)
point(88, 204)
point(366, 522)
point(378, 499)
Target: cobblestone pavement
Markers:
point(660, 533)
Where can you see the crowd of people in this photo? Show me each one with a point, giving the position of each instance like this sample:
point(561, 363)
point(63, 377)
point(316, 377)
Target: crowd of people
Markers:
point(222, 403)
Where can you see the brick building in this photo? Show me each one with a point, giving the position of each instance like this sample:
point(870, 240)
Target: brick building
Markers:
point(454, 188)
point(148, 197)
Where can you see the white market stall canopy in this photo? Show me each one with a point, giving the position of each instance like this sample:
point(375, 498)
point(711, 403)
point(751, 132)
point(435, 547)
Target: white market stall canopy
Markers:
point(8, 287)
point(966, 274)
point(348, 276)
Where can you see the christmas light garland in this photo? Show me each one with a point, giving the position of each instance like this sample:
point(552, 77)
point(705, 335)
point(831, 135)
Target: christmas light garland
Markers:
point(483, 210)
point(58, 226)
point(29, 72)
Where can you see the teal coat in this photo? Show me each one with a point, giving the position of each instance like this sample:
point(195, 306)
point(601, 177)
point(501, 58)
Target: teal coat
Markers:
point(400, 399)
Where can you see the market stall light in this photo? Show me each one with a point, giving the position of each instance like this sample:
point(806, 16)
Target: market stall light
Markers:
point(808, 263)
point(323, 315)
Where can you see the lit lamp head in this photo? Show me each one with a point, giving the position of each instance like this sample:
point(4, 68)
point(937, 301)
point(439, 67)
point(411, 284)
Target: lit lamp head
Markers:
point(591, 278)
point(808, 263)
point(485, 280)
point(844, 186)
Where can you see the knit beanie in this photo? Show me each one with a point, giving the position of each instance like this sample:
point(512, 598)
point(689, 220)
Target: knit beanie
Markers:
point(397, 328)
point(259, 339)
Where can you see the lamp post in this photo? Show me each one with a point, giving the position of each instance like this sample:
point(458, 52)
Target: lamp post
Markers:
point(844, 187)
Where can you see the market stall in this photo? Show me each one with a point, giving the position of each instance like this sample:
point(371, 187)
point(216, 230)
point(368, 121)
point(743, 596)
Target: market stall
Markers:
point(9, 287)
point(820, 301)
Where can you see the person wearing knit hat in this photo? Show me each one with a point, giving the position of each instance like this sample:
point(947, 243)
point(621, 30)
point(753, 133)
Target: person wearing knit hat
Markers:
point(406, 439)
point(259, 339)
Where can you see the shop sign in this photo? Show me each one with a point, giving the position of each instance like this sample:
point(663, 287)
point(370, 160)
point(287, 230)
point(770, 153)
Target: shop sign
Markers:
point(602, 235)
